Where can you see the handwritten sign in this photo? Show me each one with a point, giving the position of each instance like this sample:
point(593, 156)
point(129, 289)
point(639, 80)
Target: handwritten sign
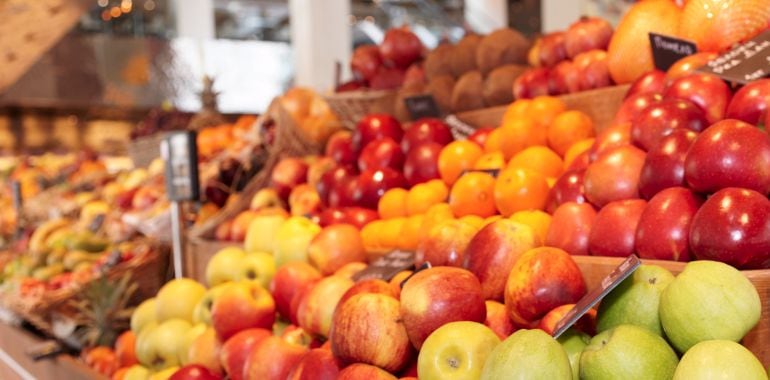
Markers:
point(179, 151)
point(588, 301)
point(666, 50)
point(421, 106)
point(745, 63)
point(387, 266)
point(460, 129)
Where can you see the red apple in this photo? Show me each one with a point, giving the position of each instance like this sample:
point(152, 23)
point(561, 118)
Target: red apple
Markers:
point(303, 200)
point(491, 252)
point(614, 229)
point(206, 350)
point(400, 47)
point(498, 320)
point(730, 153)
point(374, 126)
point(660, 119)
point(586, 323)
point(296, 335)
point(286, 174)
point(335, 246)
point(369, 286)
point(552, 49)
point(565, 78)
point(750, 103)
point(586, 34)
point(663, 231)
point(708, 91)
point(437, 296)
point(359, 216)
point(414, 75)
point(652, 82)
point(387, 79)
point(345, 193)
point(373, 183)
point(367, 328)
point(235, 351)
point(240, 306)
point(422, 163)
point(532, 83)
point(568, 188)
point(318, 364)
point(733, 226)
point(287, 280)
point(194, 372)
point(381, 153)
point(331, 178)
point(687, 65)
point(315, 172)
point(614, 175)
point(317, 307)
point(664, 165)
point(426, 130)
point(480, 135)
point(594, 72)
point(331, 215)
point(298, 299)
point(365, 62)
point(580, 162)
point(570, 227)
point(542, 279)
point(273, 359)
point(340, 148)
point(445, 244)
point(361, 371)
point(351, 85)
point(633, 104)
point(615, 136)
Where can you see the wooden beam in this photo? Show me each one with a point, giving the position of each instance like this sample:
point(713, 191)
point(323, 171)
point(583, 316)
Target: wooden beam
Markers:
point(29, 29)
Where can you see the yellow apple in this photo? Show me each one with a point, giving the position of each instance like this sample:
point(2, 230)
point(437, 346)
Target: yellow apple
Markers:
point(137, 372)
point(261, 235)
point(293, 238)
point(202, 310)
point(158, 348)
point(177, 299)
point(257, 266)
point(224, 266)
point(164, 374)
point(456, 350)
point(143, 315)
point(189, 337)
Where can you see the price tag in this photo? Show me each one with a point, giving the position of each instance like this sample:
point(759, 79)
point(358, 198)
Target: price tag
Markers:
point(612, 280)
point(16, 195)
point(492, 172)
point(460, 129)
point(745, 63)
point(97, 223)
point(666, 50)
point(421, 106)
point(387, 266)
point(179, 151)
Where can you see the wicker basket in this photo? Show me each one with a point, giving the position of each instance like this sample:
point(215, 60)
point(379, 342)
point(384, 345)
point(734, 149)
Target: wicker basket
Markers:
point(351, 106)
point(146, 149)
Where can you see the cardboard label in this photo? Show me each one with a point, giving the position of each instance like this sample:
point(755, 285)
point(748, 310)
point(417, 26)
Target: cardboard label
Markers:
point(460, 129)
point(421, 106)
point(666, 50)
point(588, 301)
point(745, 63)
point(387, 266)
point(180, 153)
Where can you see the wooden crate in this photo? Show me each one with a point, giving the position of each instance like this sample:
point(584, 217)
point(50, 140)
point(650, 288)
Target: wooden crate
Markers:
point(596, 268)
point(351, 106)
point(197, 254)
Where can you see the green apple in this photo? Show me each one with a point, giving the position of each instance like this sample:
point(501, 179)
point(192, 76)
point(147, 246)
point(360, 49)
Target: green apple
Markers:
point(635, 301)
point(159, 347)
point(191, 334)
point(719, 359)
point(527, 354)
point(143, 315)
point(708, 300)
point(456, 350)
point(628, 352)
point(293, 238)
point(177, 299)
point(202, 310)
point(573, 342)
point(137, 372)
point(225, 266)
point(257, 266)
point(261, 234)
point(164, 374)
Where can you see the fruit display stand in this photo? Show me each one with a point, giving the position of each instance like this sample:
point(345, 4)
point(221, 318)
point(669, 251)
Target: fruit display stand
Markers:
point(145, 149)
point(352, 106)
point(596, 268)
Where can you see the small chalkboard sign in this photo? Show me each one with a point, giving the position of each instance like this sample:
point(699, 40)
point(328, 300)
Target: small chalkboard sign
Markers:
point(612, 280)
point(97, 223)
point(387, 266)
point(179, 151)
point(421, 106)
point(744, 63)
point(16, 197)
point(666, 50)
point(460, 129)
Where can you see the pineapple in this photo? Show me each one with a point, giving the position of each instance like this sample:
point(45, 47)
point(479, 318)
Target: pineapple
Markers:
point(103, 310)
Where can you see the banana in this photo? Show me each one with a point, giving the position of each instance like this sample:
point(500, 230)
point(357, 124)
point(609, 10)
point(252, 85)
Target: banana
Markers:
point(38, 238)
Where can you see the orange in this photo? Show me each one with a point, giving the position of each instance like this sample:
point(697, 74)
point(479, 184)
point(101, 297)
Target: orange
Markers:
point(519, 134)
point(539, 220)
point(519, 189)
point(489, 161)
point(439, 186)
point(392, 204)
point(410, 232)
point(539, 159)
point(435, 215)
point(568, 128)
point(422, 196)
point(457, 157)
point(473, 194)
point(517, 110)
point(370, 235)
point(390, 233)
point(576, 149)
point(544, 109)
point(494, 141)
point(715, 25)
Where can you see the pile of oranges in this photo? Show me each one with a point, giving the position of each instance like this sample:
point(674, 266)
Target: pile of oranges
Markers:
point(508, 177)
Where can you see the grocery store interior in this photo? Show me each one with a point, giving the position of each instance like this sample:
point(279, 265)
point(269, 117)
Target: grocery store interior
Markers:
point(384, 189)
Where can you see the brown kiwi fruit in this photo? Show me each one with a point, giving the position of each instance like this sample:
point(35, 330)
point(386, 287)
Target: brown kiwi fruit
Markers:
point(437, 61)
point(463, 58)
point(501, 47)
point(498, 84)
point(467, 92)
point(441, 89)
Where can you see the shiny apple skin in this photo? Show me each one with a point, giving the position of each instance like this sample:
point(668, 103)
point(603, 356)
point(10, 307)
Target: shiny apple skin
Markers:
point(663, 232)
point(660, 119)
point(733, 226)
point(568, 188)
point(614, 175)
point(615, 136)
point(421, 163)
point(345, 193)
point(373, 126)
point(708, 91)
point(531, 83)
point(381, 153)
point(586, 34)
point(664, 165)
point(365, 61)
point(570, 228)
point(552, 48)
point(633, 104)
point(340, 148)
point(614, 229)
point(730, 153)
point(653, 82)
point(564, 78)
point(426, 130)
point(750, 103)
point(331, 178)
point(373, 183)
